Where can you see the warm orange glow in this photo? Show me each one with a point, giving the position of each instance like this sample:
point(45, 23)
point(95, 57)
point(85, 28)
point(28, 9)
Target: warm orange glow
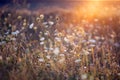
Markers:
point(95, 8)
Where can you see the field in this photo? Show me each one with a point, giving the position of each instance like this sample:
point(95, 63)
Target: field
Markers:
point(80, 42)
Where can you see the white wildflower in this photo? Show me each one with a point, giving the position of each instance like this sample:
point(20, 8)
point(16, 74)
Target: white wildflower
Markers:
point(58, 39)
point(7, 33)
point(42, 39)
point(46, 26)
point(31, 25)
point(51, 23)
point(89, 49)
point(66, 40)
point(77, 60)
point(65, 50)
point(46, 33)
point(41, 43)
point(85, 67)
point(41, 60)
point(92, 41)
point(16, 32)
point(92, 45)
point(45, 23)
point(48, 56)
point(56, 51)
point(19, 17)
point(35, 28)
point(85, 52)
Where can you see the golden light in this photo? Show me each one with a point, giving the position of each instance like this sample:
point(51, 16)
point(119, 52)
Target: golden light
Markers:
point(94, 8)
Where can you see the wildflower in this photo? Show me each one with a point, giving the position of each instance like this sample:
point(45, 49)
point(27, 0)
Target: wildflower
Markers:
point(24, 24)
point(51, 23)
point(92, 41)
point(92, 45)
point(58, 39)
point(66, 40)
point(56, 51)
point(35, 28)
point(38, 19)
point(41, 16)
point(16, 32)
point(46, 33)
point(77, 60)
point(24, 20)
point(85, 52)
point(48, 56)
point(46, 26)
point(85, 67)
point(5, 19)
point(41, 43)
point(45, 23)
point(31, 25)
point(9, 14)
point(89, 49)
point(19, 17)
point(65, 50)
point(42, 39)
point(41, 60)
